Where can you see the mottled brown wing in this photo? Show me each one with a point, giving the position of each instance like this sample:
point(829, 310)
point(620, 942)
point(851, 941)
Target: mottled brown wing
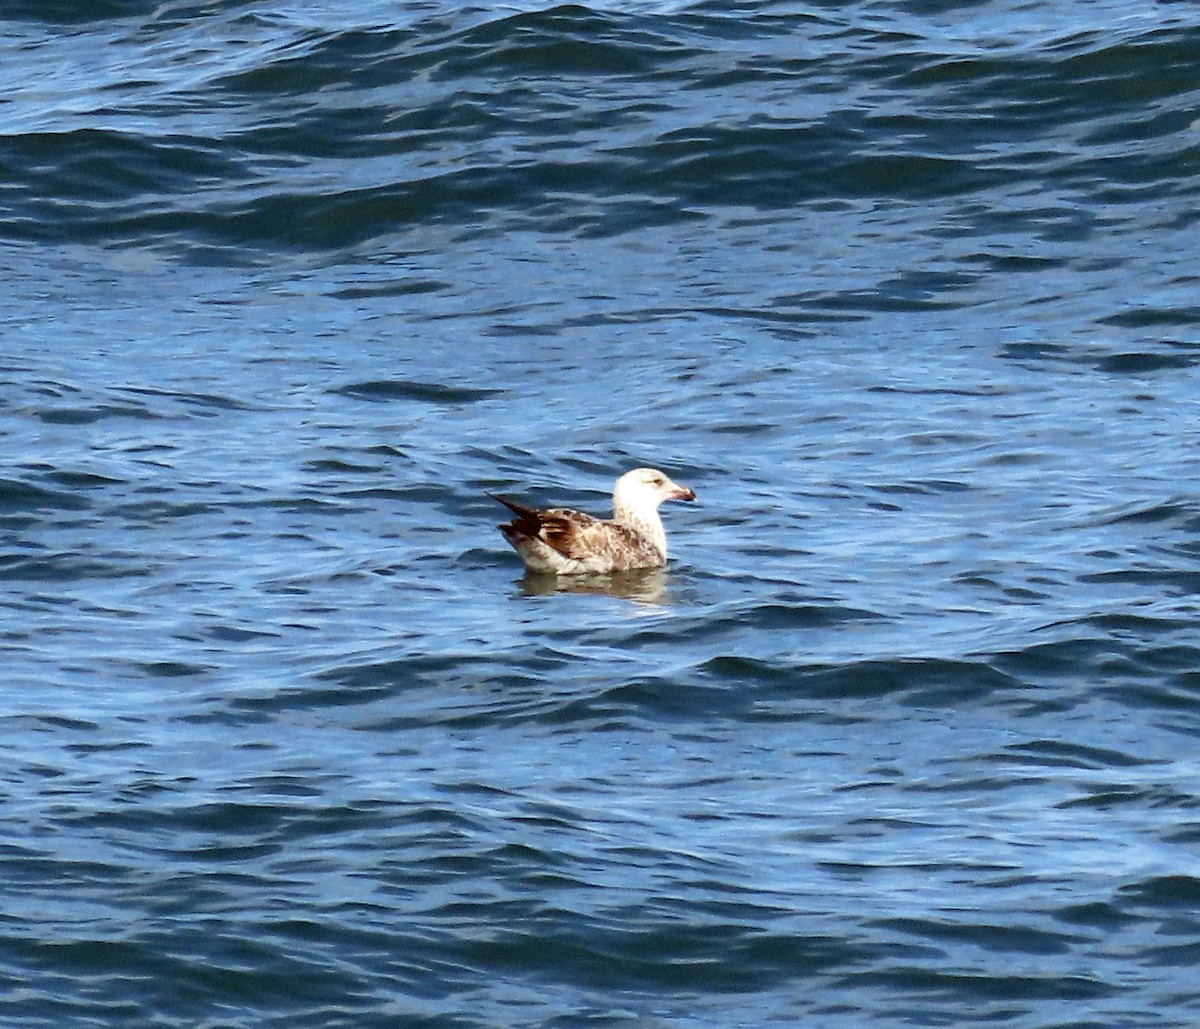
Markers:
point(573, 534)
point(564, 530)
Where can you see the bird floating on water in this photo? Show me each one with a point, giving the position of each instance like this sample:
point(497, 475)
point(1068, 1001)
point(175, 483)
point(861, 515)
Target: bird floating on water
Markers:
point(560, 541)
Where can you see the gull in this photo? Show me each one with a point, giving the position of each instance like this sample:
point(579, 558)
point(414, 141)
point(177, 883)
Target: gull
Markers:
point(560, 541)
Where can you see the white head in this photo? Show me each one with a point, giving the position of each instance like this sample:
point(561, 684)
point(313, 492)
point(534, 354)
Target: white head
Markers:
point(646, 488)
point(636, 497)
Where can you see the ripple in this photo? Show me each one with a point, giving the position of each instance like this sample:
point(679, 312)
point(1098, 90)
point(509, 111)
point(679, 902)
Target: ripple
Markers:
point(423, 392)
point(17, 495)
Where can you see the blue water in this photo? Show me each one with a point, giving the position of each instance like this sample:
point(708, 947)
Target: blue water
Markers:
point(905, 735)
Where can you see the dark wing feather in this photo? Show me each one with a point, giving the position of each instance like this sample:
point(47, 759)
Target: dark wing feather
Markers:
point(557, 527)
point(528, 520)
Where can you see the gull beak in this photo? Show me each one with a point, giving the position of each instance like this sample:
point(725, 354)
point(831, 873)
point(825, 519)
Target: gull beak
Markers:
point(683, 493)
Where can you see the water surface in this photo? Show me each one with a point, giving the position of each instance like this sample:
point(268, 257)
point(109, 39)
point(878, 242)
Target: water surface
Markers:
point(905, 733)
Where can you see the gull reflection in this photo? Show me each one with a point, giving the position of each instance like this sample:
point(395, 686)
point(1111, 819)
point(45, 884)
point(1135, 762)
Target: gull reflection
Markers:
point(645, 585)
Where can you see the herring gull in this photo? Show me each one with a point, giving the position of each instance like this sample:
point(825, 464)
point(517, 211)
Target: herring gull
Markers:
point(560, 541)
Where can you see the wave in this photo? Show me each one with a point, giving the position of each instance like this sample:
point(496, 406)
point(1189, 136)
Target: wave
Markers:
point(574, 120)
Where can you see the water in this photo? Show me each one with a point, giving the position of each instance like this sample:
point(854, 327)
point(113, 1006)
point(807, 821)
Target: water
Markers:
point(904, 736)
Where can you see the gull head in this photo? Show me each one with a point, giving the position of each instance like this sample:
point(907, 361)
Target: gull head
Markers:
point(643, 489)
